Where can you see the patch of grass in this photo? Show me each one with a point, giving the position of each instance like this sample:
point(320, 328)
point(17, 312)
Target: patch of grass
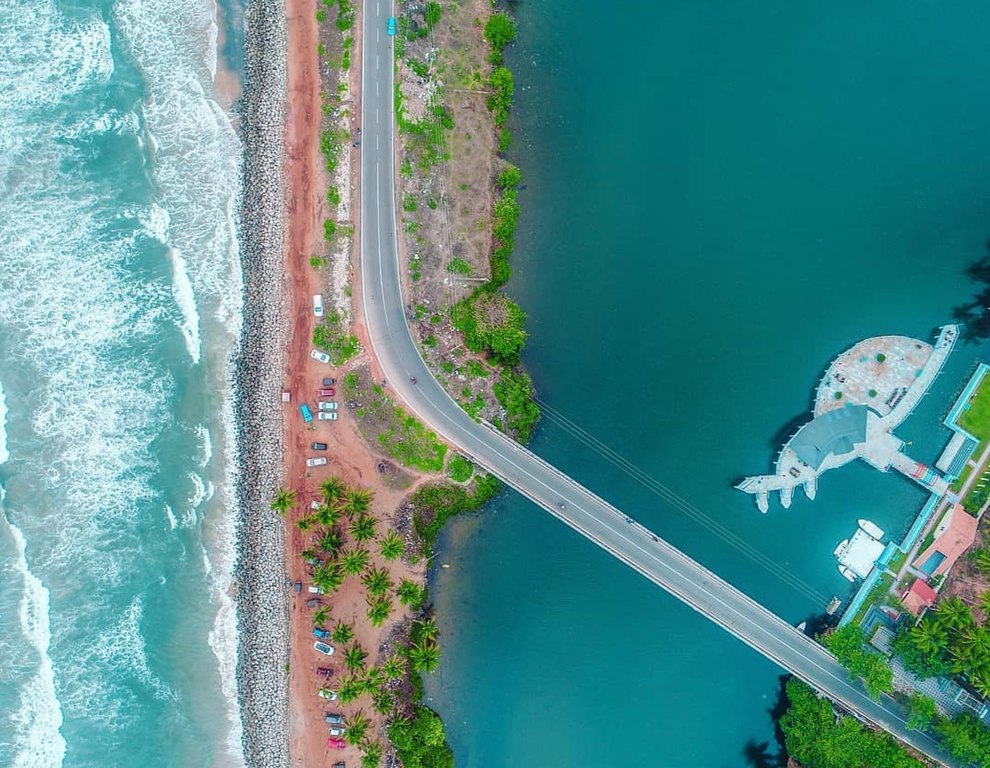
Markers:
point(976, 418)
point(491, 323)
point(333, 195)
point(331, 337)
point(432, 203)
point(459, 468)
point(329, 230)
point(430, 341)
point(431, 15)
point(459, 266)
point(345, 15)
point(321, 15)
point(477, 369)
point(409, 202)
point(412, 444)
point(447, 366)
point(317, 261)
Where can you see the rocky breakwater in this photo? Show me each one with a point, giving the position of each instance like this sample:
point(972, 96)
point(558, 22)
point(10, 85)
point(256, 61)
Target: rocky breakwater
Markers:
point(261, 578)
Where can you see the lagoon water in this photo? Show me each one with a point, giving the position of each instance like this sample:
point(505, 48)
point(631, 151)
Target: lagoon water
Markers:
point(719, 198)
point(119, 309)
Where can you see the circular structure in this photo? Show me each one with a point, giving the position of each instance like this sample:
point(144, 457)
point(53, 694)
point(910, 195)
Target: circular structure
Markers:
point(875, 372)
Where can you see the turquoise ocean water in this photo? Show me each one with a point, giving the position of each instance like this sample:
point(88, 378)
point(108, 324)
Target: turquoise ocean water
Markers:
point(119, 309)
point(719, 198)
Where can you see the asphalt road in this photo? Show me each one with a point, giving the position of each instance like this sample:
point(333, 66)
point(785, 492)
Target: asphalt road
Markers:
point(564, 498)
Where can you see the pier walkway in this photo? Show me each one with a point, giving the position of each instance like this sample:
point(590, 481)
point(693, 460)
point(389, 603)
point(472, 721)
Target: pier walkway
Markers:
point(864, 395)
point(553, 490)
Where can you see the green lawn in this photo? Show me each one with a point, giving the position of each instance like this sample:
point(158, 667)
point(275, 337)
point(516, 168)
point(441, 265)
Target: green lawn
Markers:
point(976, 419)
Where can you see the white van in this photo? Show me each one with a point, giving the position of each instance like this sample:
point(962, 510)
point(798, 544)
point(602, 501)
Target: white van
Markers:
point(318, 304)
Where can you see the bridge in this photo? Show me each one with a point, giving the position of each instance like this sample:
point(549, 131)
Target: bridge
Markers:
point(554, 491)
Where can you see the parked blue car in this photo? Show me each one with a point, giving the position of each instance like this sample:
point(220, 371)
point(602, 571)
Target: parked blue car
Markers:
point(391, 26)
point(306, 413)
point(321, 633)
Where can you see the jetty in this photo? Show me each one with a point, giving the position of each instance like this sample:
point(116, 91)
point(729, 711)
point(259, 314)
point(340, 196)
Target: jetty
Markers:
point(865, 394)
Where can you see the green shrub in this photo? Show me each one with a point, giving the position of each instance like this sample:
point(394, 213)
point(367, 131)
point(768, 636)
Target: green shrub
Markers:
point(419, 740)
point(491, 323)
point(459, 468)
point(500, 98)
point(509, 177)
point(329, 229)
point(333, 196)
point(500, 30)
point(514, 391)
point(459, 266)
point(435, 504)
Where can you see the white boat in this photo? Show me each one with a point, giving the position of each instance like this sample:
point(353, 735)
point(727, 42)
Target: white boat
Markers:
point(847, 573)
point(871, 529)
point(841, 549)
point(802, 627)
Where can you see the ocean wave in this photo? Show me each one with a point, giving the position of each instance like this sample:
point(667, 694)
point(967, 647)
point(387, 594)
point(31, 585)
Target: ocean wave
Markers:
point(4, 453)
point(197, 152)
point(37, 736)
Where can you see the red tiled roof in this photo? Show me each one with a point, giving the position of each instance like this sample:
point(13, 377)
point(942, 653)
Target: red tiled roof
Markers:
point(957, 534)
point(918, 597)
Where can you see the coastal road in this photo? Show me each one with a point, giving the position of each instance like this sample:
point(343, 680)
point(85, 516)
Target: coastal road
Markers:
point(560, 495)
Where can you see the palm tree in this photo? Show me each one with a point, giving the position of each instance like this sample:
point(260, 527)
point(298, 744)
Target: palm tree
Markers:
point(285, 499)
point(985, 605)
point(393, 668)
point(981, 557)
point(354, 657)
point(353, 560)
point(372, 754)
point(409, 593)
point(379, 609)
point(383, 701)
point(391, 545)
point(363, 528)
point(333, 488)
point(342, 633)
point(327, 515)
point(425, 657)
point(305, 523)
point(954, 614)
point(357, 727)
point(328, 576)
point(377, 581)
point(321, 615)
point(374, 678)
point(356, 501)
point(309, 555)
point(426, 630)
point(930, 637)
point(350, 689)
point(331, 541)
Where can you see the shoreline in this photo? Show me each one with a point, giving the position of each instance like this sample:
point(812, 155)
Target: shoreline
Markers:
point(259, 571)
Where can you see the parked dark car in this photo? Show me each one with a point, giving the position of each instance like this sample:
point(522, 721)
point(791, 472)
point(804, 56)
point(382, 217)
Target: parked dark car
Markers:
point(333, 718)
point(318, 446)
point(329, 382)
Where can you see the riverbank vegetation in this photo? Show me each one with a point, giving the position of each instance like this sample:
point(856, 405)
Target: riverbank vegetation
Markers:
point(818, 738)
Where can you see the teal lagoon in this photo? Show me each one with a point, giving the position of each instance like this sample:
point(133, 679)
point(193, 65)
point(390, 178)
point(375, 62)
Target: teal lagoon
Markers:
point(719, 199)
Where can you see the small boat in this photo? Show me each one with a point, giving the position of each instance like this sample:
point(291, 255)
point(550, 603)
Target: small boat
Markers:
point(841, 549)
point(871, 529)
point(847, 572)
point(802, 627)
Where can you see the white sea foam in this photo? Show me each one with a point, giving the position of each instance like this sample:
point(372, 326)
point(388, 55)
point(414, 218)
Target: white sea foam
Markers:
point(170, 515)
point(37, 735)
point(219, 560)
point(121, 647)
point(4, 453)
point(205, 444)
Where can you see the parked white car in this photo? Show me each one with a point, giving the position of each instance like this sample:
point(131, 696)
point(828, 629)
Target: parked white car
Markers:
point(317, 462)
point(318, 304)
point(323, 357)
point(327, 415)
point(326, 693)
point(324, 648)
point(328, 405)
